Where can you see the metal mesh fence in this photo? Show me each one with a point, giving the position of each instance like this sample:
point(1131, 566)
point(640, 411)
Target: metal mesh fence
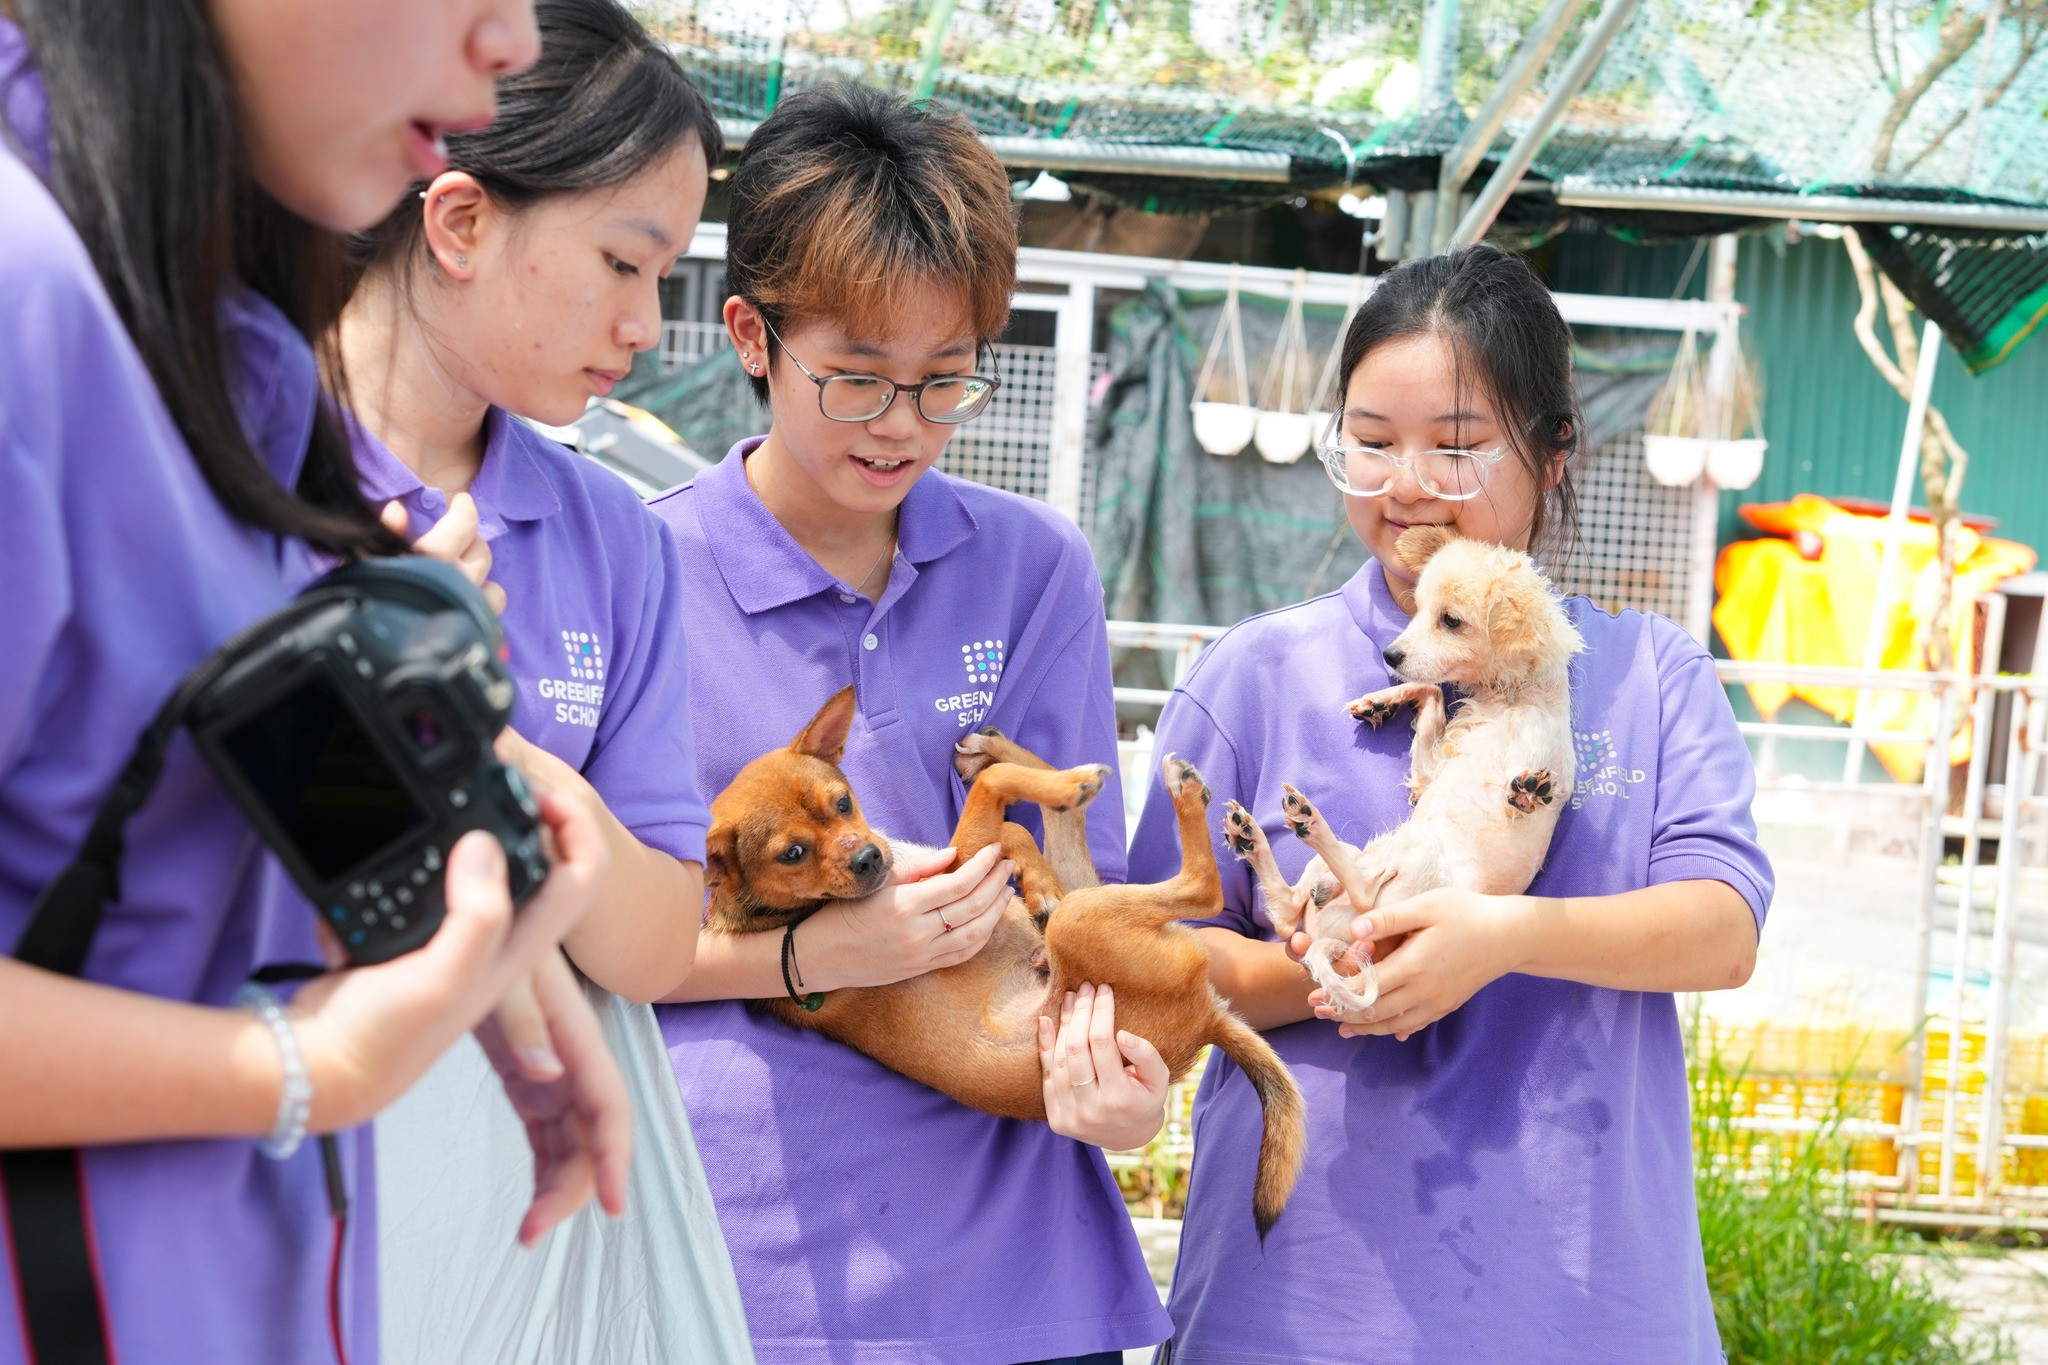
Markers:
point(1635, 535)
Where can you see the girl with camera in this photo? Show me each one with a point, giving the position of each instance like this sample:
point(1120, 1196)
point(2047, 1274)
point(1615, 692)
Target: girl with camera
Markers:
point(172, 180)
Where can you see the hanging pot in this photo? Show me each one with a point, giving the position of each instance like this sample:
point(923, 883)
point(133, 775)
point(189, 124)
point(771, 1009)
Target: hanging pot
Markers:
point(1283, 434)
point(1675, 460)
point(1225, 428)
point(1735, 464)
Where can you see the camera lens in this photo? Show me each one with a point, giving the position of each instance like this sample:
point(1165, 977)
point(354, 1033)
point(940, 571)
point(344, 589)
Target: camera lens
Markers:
point(424, 729)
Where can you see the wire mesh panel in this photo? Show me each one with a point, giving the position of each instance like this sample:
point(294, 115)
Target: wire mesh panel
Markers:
point(1010, 445)
point(1635, 535)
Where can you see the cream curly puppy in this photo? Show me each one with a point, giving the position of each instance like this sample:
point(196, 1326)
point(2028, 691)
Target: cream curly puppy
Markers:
point(1487, 777)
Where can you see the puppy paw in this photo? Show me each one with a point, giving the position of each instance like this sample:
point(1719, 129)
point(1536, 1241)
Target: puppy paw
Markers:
point(1086, 783)
point(1240, 829)
point(975, 752)
point(1300, 815)
point(1531, 792)
point(1371, 711)
point(1183, 779)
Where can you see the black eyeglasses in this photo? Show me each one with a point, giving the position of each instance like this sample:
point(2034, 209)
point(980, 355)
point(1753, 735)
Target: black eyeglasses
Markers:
point(948, 400)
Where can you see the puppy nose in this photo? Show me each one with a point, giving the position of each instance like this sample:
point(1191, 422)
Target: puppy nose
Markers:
point(865, 863)
point(1393, 656)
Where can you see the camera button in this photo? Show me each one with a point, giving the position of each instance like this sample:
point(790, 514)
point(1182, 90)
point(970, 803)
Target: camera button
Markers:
point(337, 913)
point(369, 916)
point(458, 798)
point(385, 905)
point(419, 876)
point(356, 936)
point(398, 921)
point(375, 889)
point(432, 859)
point(355, 891)
point(347, 642)
point(365, 668)
point(403, 895)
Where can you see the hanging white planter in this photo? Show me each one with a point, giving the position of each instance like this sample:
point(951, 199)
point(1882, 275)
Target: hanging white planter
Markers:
point(1225, 428)
point(1284, 435)
point(1675, 460)
point(1736, 464)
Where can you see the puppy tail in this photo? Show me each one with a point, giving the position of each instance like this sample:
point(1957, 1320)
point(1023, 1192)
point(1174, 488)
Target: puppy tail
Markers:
point(1284, 1141)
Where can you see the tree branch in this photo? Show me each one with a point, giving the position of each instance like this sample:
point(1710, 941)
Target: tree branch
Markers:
point(1958, 34)
point(1991, 97)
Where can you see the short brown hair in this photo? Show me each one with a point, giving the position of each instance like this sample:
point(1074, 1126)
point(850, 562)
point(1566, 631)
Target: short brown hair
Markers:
point(846, 198)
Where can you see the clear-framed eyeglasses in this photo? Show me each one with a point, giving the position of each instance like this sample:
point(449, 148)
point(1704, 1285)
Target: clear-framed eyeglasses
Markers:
point(1369, 472)
point(948, 400)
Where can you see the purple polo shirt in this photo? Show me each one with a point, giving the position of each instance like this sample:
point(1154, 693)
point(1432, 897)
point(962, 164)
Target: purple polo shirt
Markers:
point(1515, 1181)
point(871, 1219)
point(594, 609)
point(120, 571)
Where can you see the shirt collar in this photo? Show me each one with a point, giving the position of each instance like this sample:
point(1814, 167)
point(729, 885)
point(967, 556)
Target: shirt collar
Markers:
point(24, 103)
point(512, 485)
point(763, 566)
point(275, 383)
point(1372, 603)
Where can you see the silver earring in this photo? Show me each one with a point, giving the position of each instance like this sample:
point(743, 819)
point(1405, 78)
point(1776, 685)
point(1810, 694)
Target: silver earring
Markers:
point(461, 261)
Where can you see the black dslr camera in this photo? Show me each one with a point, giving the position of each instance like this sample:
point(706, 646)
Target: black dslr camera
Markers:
point(355, 729)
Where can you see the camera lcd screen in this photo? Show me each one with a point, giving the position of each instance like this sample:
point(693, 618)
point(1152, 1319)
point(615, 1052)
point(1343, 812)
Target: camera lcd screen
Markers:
point(323, 780)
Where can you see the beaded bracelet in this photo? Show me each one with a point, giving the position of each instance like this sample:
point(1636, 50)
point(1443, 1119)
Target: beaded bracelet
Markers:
point(295, 1101)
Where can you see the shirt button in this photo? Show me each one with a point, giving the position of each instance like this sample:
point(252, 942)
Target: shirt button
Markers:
point(848, 598)
point(869, 642)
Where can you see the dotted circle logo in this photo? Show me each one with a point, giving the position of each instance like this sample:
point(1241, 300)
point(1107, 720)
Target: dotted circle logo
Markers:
point(586, 655)
point(984, 660)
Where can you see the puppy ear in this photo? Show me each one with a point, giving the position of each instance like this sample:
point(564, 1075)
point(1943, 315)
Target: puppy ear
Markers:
point(720, 857)
point(825, 736)
point(1511, 621)
point(1418, 543)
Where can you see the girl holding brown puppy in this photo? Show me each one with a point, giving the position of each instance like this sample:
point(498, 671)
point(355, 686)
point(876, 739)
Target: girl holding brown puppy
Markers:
point(1499, 1148)
point(871, 253)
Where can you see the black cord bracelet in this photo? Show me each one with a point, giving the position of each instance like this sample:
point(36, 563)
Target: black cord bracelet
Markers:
point(808, 1003)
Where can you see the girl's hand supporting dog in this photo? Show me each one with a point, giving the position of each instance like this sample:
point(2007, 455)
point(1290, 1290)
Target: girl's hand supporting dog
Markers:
point(1696, 935)
point(900, 931)
point(1103, 1085)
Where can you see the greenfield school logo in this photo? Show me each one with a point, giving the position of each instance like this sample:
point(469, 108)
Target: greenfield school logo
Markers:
point(984, 660)
point(578, 696)
point(586, 655)
point(1601, 771)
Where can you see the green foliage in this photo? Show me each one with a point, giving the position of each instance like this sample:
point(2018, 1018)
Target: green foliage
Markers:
point(1797, 1277)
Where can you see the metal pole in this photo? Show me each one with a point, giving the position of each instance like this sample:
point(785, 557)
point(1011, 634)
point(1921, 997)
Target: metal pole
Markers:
point(1509, 173)
point(1073, 335)
point(1966, 904)
point(1706, 499)
point(1894, 527)
point(1393, 236)
point(1934, 783)
point(1438, 58)
point(1471, 148)
point(1991, 1125)
point(934, 50)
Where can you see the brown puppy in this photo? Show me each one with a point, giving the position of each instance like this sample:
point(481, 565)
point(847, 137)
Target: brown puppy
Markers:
point(787, 838)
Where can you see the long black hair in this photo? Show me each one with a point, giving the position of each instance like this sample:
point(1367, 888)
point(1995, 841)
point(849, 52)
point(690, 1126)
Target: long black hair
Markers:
point(147, 162)
point(604, 102)
point(1506, 334)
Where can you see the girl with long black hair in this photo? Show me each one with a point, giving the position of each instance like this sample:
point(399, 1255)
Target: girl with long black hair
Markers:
point(172, 173)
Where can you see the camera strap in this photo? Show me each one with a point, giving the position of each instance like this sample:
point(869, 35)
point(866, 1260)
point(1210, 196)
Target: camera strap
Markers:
point(56, 1263)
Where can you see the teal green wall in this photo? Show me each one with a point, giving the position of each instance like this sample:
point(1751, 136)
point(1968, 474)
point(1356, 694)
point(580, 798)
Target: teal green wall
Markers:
point(1833, 424)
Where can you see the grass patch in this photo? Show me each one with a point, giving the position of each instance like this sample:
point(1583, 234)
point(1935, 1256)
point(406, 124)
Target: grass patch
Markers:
point(1797, 1277)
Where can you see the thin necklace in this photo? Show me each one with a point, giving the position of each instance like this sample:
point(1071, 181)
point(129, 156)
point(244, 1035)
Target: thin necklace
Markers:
point(887, 551)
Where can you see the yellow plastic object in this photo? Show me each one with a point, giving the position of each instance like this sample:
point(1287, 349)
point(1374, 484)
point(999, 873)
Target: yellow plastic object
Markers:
point(1775, 606)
